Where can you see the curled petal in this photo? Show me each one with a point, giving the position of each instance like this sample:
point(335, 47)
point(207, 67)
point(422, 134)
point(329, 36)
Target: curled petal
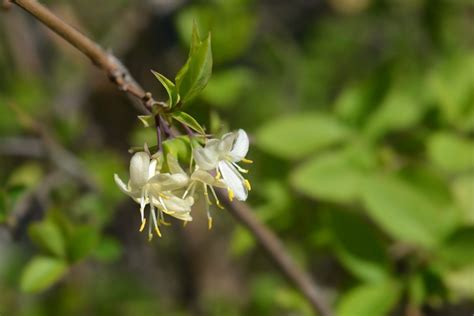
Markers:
point(139, 168)
point(233, 180)
point(241, 146)
point(206, 178)
point(167, 182)
point(175, 206)
point(135, 194)
point(225, 145)
point(205, 158)
point(173, 164)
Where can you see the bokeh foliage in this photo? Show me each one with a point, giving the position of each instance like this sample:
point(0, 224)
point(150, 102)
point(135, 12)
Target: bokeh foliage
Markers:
point(362, 122)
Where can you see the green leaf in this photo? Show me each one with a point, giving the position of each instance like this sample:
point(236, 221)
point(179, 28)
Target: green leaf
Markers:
point(232, 24)
point(405, 213)
point(451, 152)
point(27, 175)
point(369, 300)
point(358, 247)
point(458, 249)
point(108, 250)
point(188, 120)
point(42, 272)
point(296, 136)
point(48, 237)
point(179, 147)
point(82, 242)
point(173, 95)
point(227, 87)
point(463, 190)
point(450, 86)
point(398, 111)
point(335, 176)
point(459, 281)
point(147, 120)
point(195, 74)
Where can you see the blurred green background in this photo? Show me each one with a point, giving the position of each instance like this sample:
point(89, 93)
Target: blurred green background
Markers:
point(361, 115)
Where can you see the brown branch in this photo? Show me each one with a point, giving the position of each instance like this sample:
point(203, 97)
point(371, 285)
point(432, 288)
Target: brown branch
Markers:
point(121, 77)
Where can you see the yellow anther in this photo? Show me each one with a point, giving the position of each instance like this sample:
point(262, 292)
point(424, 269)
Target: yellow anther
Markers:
point(218, 175)
point(185, 223)
point(164, 196)
point(243, 170)
point(247, 160)
point(162, 221)
point(150, 236)
point(231, 194)
point(209, 223)
point(143, 225)
point(247, 184)
point(157, 230)
point(219, 205)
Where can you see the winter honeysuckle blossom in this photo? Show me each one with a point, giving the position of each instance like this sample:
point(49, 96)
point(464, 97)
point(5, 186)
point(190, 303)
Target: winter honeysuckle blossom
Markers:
point(162, 184)
point(222, 155)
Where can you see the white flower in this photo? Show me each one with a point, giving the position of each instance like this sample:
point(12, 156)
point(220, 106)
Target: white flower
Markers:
point(148, 186)
point(223, 155)
point(199, 179)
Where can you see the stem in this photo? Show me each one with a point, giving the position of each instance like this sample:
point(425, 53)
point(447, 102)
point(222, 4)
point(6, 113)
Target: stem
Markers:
point(120, 76)
point(188, 130)
point(158, 132)
point(166, 127)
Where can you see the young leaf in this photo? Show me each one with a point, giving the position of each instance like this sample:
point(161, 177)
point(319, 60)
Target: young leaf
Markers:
point(406, 213)
point(188, 120)
point(457, 249)
point(147, 120)
point(48, 237)
point(296, 136)
point(173, 95)
point(358, 247)
point(41, 272)
point(369, 300)
point(179, 147)
point(82, 242)
point(195, 74)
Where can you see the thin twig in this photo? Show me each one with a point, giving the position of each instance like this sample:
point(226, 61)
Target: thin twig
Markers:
point(121, 77)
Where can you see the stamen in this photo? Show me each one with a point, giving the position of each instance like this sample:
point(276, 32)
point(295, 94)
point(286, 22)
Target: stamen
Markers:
point(150, 235)
point(247, 160)
point(209, 218)
point(143, 225)
point(247, 184)
point(162, 219)
point(231, 194)
point(191, 185)
point(155, 222)
point(206, 194)
point(209, 223)
point(185, 223)
point(218, 203)
point(240, 168)
point(164, 206)
point(218, 175)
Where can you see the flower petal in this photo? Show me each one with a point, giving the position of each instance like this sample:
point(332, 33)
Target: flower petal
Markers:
point(241, 146)
point(139, 165)
point(135, 194)
point(175, 206)
point(167, 182)
point(234, 180)
point(206, 178)
point(205, 158)
point(225, 145)
point(173, 164)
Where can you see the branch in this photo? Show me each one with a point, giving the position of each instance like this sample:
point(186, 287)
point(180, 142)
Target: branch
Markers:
point(120, 76)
